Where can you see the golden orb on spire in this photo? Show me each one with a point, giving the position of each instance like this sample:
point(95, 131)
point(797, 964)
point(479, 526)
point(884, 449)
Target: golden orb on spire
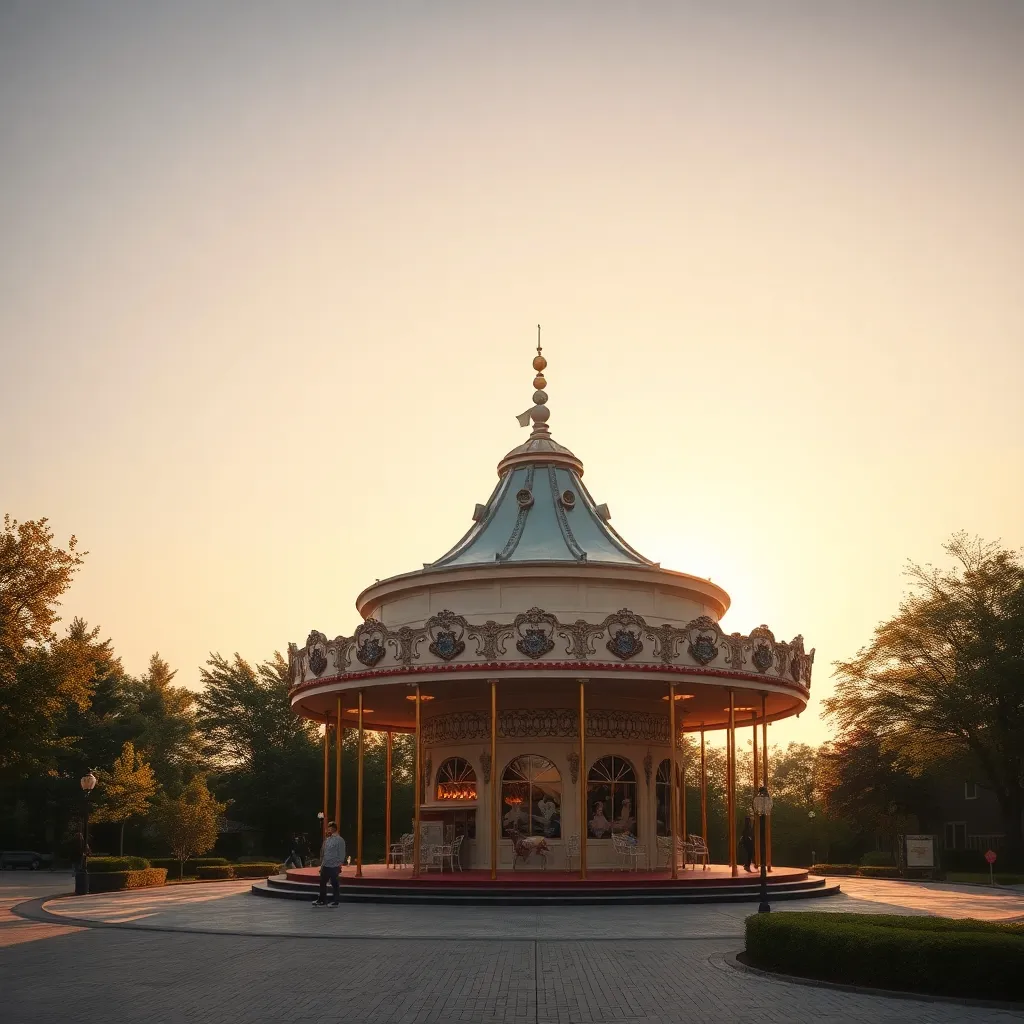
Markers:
point(539, 363)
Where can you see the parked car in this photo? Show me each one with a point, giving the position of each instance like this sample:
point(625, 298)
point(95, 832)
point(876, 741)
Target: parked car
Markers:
point(11, 859)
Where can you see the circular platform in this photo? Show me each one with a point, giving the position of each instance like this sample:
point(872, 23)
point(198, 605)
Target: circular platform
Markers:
point(541, 888)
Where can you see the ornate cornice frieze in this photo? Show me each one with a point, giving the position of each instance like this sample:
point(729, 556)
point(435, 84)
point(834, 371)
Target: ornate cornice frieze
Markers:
point(536, 637)
point(546, 723)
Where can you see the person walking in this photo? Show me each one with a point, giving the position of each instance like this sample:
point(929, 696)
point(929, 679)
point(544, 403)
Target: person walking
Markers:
point(332, 856)
point(294, 855)
point(747, 842)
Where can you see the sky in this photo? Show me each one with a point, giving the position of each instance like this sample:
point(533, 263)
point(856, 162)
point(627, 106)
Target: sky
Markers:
point(270, 277)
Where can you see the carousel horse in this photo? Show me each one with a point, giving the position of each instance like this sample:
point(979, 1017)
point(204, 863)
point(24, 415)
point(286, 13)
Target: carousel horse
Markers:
point(525, 846)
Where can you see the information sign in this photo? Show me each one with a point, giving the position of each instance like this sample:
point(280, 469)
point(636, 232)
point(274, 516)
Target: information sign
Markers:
point(920, 852)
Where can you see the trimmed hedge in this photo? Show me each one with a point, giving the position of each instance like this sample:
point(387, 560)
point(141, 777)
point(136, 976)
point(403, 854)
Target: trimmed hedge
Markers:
point(191, 866)
point(970, 959)
point(835, 869)
point(113, 881)
point(878, 872)
point(103, 864)
point(877, 859)
point(257, 870)
point(964, 860)
point(208, 871)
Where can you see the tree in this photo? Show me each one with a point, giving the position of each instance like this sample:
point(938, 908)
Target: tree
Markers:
point(267, 759)
point(188, 823)
point(125, 790)
point(945, 676)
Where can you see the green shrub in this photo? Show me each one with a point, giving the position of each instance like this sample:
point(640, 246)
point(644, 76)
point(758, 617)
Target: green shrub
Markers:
point(208, 871)
point(870, 872)
point(971, 959)
point(191, 866)
point(257, 870)
point(113, 881)
point(104, 864)
point(834, 869)
point(877, 859)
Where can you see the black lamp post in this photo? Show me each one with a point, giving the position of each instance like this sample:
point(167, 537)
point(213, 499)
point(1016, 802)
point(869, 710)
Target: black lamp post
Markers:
point(762, 808)
point(88, 784)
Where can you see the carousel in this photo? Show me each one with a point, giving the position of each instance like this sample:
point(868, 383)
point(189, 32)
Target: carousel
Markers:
point(549, 673)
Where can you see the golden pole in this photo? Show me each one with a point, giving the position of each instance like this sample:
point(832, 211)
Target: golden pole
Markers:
point(764, 774)
point(672, 812)
point(387, 800)
point(703, 792)
point(359, 795)
point(327, 776)
point(733, 869)
point(583, 784)
point(416, 796)
point(495, 784)
point(339, 747)
point(757, 843)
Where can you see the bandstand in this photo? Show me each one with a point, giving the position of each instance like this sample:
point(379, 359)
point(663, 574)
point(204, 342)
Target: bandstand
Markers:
point(548, 672)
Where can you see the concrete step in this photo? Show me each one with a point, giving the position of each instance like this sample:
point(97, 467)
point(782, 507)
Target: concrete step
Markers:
point(525, 895)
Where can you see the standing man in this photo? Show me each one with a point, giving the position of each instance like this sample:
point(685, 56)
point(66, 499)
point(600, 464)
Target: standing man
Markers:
point(332, 856)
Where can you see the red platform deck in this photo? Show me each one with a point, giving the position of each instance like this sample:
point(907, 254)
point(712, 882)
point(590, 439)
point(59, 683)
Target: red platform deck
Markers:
point(716, 875)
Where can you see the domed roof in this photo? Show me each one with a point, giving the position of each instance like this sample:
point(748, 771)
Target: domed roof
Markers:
point(540, 510)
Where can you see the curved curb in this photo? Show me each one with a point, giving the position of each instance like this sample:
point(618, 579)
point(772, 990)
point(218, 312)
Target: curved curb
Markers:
point(33, 910)
point(732, 959)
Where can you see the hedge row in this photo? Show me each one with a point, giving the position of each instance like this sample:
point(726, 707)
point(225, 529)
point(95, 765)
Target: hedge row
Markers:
point(250, 870)
point(112, 881)
point(104, 864)
point(970, 959)
point(866, 871)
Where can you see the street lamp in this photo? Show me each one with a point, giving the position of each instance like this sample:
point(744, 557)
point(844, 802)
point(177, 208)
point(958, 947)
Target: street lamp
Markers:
point(88, 784)
point(762, 808)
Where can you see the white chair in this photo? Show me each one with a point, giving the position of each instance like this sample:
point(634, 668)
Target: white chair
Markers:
point(450, 852)
point(699, 852)
point(628, 849)
point(572, 849)
point(397, 852)
point(665, 851)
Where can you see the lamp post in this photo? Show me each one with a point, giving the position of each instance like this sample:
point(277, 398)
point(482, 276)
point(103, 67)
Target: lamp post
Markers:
point(762, 808)
point(810, 818)
point(88, 784)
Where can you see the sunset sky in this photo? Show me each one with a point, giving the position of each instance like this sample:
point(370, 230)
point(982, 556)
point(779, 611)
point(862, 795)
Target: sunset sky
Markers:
point(270, 275)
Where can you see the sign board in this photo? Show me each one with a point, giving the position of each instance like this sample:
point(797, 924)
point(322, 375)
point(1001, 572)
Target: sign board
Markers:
point(990, 856)
point(920, 851)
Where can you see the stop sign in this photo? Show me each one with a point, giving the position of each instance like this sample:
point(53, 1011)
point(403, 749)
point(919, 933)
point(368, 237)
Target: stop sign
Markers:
point(990, 856)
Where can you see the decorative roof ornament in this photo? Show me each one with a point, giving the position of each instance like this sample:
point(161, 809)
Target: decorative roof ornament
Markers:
point(539, 413)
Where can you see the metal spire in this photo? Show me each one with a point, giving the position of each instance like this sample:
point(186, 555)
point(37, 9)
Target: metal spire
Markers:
point(539, 413)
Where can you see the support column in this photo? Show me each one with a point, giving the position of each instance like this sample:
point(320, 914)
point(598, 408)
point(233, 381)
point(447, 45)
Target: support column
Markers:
point(731, 774)
point(583, 782)
point(703, 791)
point(682, 797)
point(359, 795)
point(673, 773)
point(764, 773)
point(327, 777)
point(339, 748)
point(417, 784)
point(387, 800)
point(757, 838)
point(495, 780)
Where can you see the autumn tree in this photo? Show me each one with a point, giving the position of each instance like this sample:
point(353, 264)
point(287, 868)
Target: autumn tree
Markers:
point(944, 677)
point(125, 790)
point(37, 680)
point(188, 824)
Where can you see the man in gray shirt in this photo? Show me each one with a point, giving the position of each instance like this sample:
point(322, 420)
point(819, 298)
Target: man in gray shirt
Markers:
point(332, 856)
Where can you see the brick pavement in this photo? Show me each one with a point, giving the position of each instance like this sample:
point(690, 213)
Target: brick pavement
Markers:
point(140, 977)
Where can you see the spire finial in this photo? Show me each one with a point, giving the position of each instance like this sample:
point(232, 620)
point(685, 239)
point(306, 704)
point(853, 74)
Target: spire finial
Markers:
point(540, 413)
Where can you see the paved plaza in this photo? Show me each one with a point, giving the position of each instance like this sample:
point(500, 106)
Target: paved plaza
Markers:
point(214, 953)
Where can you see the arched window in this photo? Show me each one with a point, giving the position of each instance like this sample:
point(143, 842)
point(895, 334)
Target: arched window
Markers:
point(611, 798)
point(663, 791)
point(531, 797)
point(456, 780)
